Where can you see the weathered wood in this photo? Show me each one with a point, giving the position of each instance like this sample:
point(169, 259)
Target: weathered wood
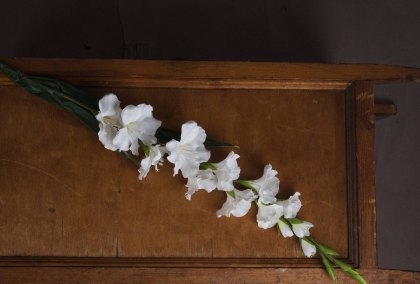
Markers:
point(365, 156)
point(382, 109)
point(47, 275)
point(66, 201)
point(81, 200)
point(184, 74)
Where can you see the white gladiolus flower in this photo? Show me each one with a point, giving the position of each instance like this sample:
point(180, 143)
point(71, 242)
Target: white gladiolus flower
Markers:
point(267, 185)
point(309, 250)
point(220, 175)
point(138, 124)
point(237, 206)
point(205, 179)
point(285, 229)
point(301, 228)
point(188, 153)
point(227, 171)
point(268, 215)
point(109, 118)
point(155, 158)
point(291, 206)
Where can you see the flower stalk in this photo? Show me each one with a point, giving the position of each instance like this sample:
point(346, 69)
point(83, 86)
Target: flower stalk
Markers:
point(134, 128)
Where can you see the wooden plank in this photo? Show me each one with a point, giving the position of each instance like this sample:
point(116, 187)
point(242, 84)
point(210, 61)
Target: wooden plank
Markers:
point(365, 154)
point(102, 210)
point(47, 275)
point(87, 218)
point(174, 74)
point(383, 109)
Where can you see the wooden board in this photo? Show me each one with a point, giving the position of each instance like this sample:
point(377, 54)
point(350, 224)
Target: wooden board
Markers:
point(69, 275)
point(79, 199)
point(66, 201)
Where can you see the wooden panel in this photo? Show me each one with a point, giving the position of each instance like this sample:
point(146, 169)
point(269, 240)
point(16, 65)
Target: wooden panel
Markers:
point(64, 195)
point(183, 74)
point(365, 154)
point(48, 275)
point(66, 201)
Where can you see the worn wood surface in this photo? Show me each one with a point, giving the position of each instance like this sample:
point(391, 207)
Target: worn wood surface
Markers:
point(184, 74)
point(81, 200)
point(365, 156)
point(383, 109)
point(66, 201)
point(47, 275)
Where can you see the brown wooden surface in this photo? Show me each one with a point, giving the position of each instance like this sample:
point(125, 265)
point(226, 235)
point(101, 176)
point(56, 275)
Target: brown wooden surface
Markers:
point(66, 201)
point(184, 74)
point(46, 275)
point(385, 109)
point(365, 155)
point(79, 199)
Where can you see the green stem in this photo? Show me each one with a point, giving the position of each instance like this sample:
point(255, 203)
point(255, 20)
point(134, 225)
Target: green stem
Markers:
point(247, 185)
point(129, 157)
point(207, 165)
point(92, 111)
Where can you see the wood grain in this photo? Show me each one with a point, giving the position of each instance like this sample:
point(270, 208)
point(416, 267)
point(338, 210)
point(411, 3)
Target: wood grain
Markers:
point(184, 74)
point(46, 275)
point(66, 201)
point(383, 109)
point(366, 173)
point(83, 201)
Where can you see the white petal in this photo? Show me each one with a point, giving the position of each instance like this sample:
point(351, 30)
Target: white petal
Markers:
point(134, 144)
point(155, 158)
point(291, 206)
point(189, 167)
point(148, 128)
point(309, 250)
point(122, 140)
point(241, 208)
point(227, 171)
point(238, 206)
point(188, 153)
point(140, 124)
point(109, 106)
point(193, 134)
point(267, 185)
point(268, 215)
point(205, 179)
point(109, 118)
point(227, 207)
point(130, 114)
point(302, 229)
point(285, 229)
point(172, 148)
point(106, 134)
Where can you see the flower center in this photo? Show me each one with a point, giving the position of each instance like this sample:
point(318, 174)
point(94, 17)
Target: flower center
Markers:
point(109, 121)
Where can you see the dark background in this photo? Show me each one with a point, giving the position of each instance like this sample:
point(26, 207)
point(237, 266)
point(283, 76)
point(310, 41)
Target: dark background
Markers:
point(353, 31)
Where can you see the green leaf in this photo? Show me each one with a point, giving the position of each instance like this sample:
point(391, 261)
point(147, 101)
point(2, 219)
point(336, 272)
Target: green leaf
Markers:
point(75, 93)
point(207, 165)
point(165, 135)
point(231, 193)
point(76, 101)
point(328, 267)
point(325, 249)
point(244, 183)
point(58, 93)
point(348, 270)
point(294, 221)
point(145, 148)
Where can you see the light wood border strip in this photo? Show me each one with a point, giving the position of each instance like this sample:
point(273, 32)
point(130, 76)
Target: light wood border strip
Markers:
point(46, 275)
point(365, 159)
point(202, 73)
